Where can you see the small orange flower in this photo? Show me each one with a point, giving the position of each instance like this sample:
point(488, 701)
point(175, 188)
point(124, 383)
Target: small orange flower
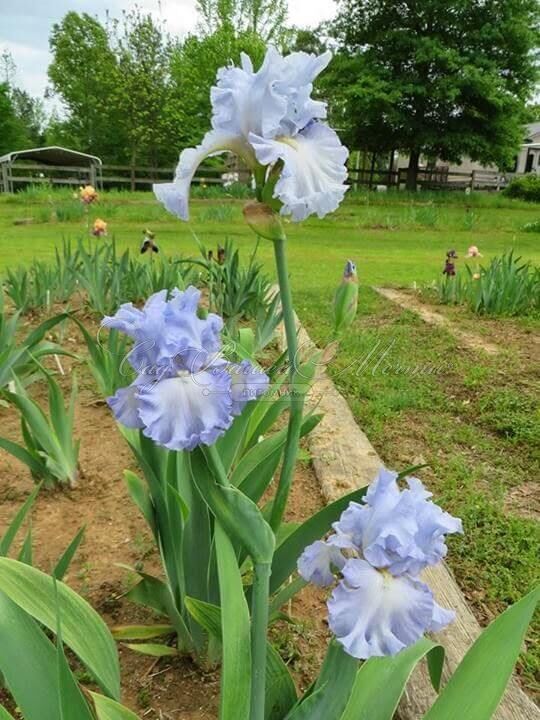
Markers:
point(99, 228)
point(88, 194)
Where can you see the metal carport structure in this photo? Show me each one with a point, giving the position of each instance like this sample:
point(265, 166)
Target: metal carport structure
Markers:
point(53, 165)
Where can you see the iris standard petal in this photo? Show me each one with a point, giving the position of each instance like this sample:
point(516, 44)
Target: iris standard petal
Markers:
point(314, 172)
point(373, 613)
point(349, 529)
point(192, 341)
point(183, 412)
point(244, 101)
point(146, 328)
point(299, 71)
point(248, 382)
point(175, 196)
point(316, 562)
point(126, 319)
point(273, 101)
point(399, 530)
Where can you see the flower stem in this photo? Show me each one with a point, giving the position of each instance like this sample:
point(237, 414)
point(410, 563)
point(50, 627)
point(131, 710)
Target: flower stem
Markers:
point(259, 630)
point(296, 399)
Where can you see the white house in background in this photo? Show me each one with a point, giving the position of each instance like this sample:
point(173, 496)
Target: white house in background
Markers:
point(527, 160)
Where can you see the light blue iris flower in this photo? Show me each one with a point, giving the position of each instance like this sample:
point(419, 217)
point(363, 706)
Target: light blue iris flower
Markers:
point(265, 118)
point(379, 547)
point(185, 394)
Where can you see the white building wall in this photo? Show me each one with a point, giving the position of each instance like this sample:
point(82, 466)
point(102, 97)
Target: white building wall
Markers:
point(528, 159)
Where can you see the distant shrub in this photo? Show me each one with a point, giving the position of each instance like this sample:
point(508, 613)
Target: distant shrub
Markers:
point(533, 227)
point(525, 188)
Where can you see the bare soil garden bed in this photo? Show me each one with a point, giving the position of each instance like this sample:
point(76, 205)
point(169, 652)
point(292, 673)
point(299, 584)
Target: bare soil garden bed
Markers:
point(116, 536)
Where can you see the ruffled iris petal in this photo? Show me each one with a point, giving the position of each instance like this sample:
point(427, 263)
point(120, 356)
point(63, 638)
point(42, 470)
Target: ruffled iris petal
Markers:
point(126, 319)
point(193, 342)
point(316, 563)
point(275, 100)
point(244, 101)
point(374, 614)
point(175, 196)
point(248, 382)
point(314, 172)
point(441, 617)
point(183, 412)
point(400, 530)
point(299, 71)
point(125, 405)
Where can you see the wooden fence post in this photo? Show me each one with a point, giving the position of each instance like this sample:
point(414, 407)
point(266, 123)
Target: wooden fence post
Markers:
point(5, 183)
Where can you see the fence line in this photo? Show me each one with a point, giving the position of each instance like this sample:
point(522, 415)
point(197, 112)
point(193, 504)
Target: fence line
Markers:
point(13, 176)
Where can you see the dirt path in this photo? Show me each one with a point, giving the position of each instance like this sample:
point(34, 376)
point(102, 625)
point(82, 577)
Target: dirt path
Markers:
point(407, 302)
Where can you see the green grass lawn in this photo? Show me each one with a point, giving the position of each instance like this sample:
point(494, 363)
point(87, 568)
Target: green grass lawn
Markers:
point(474, 418)
point(395, 239)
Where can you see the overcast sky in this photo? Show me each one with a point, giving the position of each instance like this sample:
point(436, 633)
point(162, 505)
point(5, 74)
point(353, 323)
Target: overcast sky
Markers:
point(25, 26)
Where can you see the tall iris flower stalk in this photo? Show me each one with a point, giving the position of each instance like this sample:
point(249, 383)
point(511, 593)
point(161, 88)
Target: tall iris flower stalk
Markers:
point(270, 121)
point(186, 395)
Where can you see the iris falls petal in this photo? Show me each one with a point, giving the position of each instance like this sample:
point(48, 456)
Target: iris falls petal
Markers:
point(314, 172)
point(175, 196)
point(373, 613)
point(183, 412)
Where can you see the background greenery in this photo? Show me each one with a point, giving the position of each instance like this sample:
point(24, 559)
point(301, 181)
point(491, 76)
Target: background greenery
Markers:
point(442, 79)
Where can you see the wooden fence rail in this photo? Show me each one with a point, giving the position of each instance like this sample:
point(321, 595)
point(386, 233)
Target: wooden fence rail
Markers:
point(433, 179)
point(15, 176)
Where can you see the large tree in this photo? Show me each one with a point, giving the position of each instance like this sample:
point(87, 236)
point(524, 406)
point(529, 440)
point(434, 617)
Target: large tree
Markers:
point(29, 111)
point(12, 131)
point(442, 78)
point(264, 18)
point(84, 74)
point(142, 89)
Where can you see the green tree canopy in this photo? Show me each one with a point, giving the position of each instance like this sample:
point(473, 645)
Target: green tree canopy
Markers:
point(84, 74)
point(443, 78)
point(12, 131)
point(142, 89)
point(265, 18)
point(29, 112)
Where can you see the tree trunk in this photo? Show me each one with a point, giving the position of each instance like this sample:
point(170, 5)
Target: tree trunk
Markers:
point(132, 172)
point(412, 170)
point(372, 169)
